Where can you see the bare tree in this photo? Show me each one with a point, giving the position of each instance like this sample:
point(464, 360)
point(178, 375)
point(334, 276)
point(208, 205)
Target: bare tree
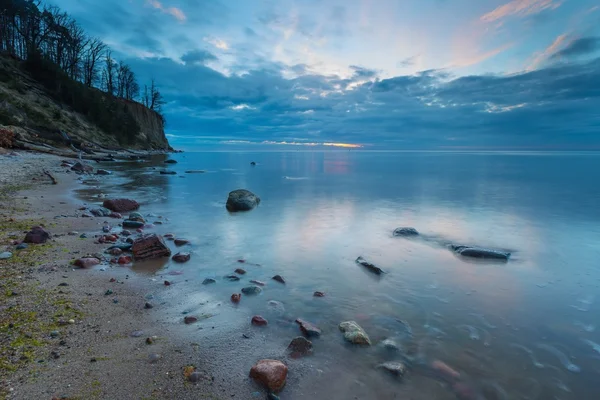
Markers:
point(109, 74)
point(93, 52)
point(156, 99)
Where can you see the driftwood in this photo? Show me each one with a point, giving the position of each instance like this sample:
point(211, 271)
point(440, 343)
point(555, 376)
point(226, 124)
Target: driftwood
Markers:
point(49, 175)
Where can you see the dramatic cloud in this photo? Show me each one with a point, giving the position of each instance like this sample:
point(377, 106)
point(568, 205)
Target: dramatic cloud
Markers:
point(173, 11)
point(198, 56)
point(579, 47)
point(520, 8)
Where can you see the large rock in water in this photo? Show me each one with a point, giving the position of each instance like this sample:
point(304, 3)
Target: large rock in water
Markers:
point(82, 167)
point(242, 200)
point(121, 205)
point(36, 235)
point(270, 373)
point(406, 232)
point(149, 246)
point(354, 333)
point(480, 252)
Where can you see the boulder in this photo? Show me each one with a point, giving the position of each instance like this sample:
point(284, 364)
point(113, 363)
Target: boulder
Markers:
point(121, 205)
point(132, 224)
point(37, 235)
point(100, 212)
point(103, 172)
point(241, 200)
point(136, 216)
point(149, 246)
point(251, 290)
point(257, 320)
point(272, 374)
point(406, 232)
point(82, 167)
point(480, 252)
point(354, 334)
point(395, 368)
point(300, 347)
point(181, 242)
point(371, 267)
point(279, 279)
point(181, 257)
point(308, 329)
point(86, 262)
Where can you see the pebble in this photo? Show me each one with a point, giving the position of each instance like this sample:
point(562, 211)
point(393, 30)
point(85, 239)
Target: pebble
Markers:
point(167, 283)
point(54, 334)
point(5, 255)
point(195, 377)
point(108, 292)
point(83, 236)
point(279, 279)
point(21, 246)
point(251, 290)
point(208, 281)
point(181, 242)
point(257, 320)
point(236, 297)
point(307, 328)
point(181, 257)
point(319, 294)
point(148, 306)
point(190, 320)
point(240, 271)
point(396, 368)
point(300, 346)
point(106, 228)
point(154, 358)
point(73, 233)
point(136, 333)
point(232, 278)
point(259, 283)
point(149, 340)
point(63, 284)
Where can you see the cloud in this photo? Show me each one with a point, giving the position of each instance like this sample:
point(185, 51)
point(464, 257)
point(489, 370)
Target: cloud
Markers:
point(198, 56)
point(173, 11)
point(520, 8)
point(479, 58)
point(408, 62)
point(578, 47)
point(218, 43)
point(550, 50)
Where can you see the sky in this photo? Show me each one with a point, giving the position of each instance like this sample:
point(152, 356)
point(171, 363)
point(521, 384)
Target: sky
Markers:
point(380, 74)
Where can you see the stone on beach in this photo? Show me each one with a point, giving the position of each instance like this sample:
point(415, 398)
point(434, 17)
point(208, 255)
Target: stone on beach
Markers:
point(181, 242)
point(406, 232)
point(82, 167)
point(124, 260)
point(480, 252)
point(241, 200)
point(259, 321)
point(190, 320)
point(354, 334)
point(5, 255)
point(396, 368)
point(318, 294)
point(37, 235)
point(208, 281)
point(308, 329)
point(371, 267)
point(279, 279)
point(270, 373)
point(181, 257)
point(444, 371)
point(121, 205)
point(300, 347)
point(100, 212)
point(86, 262)
point(236, 297)
point(251, 290)
point(149, 246)
point(136, 216)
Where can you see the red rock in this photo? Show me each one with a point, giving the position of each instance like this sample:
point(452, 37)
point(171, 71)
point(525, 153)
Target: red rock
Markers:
point(270, 373)
point(240, 271)
point(445, 371)
point(36, 235)
point(181, 242)
point(300, 347)
point(124, 260)
point(307, 328)
point(190, 320)
point(86, 262)
point(259, 283)
point(167, 283)
point(149, 246)
point(181, 257)
point(115, 215)
point(259, 321)
point(319, 294)
point(121, 205)
point(236, 297)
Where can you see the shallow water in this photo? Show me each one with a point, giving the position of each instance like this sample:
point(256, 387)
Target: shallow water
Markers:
point(516, 330)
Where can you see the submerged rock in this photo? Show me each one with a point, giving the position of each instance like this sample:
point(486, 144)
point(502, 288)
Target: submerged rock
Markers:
point(354, 333)
point(318, 294)
point(149, 246)
point(300, 347)
point(124, 260)
point(259, 283)
point(195, 171)
point(190, 320)
point(100, 212)
point(406, 232)
point(279, 279)
point(371, 267)
point(168, 173)
point(181, 242)
point(307, 328)
point(82, 167)
point(251, 290)
point(121, 205)
point(103, 172)
point(393, 367)
point(236, 297)
point(181, 257)
point(241, 200)
point(208, 281)
point(132, 224)
point(240, 271)
point(170, 161)
point(480, 252)
point(259, 321)
point(37, 235)
point(232, 278)
point(136, 216)
point(390, 344)
point(270, 373)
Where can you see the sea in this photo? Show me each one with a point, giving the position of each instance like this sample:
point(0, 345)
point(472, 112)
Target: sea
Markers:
point(528, 328)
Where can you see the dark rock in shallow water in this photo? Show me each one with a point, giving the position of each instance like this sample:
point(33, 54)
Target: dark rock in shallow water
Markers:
point(136, 216)
point(307, 328)
point(168, 173)
point(181, 257)
point(479, 252)
point(354, 334)
point(190, 320)
point(406, 232)
point(279, 279)
point(253, 163)
point(124, 247)
point(82, 167)
point(208, 281)
point(369, 266)
point(241, 200)
point(36, 235)
point(259, 283)
point(170, 162)
point(240, 271)
point(121, 205)
point(100, 212)
point(132, 224)
point(395, 368)
point(250, 290)
point(181, 242)
point(149, 246)
point(300, 347)
point(257, 320)
point(318, 294)
point(270, 373)
point(232, 278)
point(103, 172)
point(195, 171)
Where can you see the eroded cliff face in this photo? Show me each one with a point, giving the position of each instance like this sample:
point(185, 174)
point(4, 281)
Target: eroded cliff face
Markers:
point(152, 133)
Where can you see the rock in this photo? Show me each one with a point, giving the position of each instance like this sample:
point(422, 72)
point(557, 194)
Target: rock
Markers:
point(136, 216)
point(149, 246)
point(181, 242)
point(190, 320)
point(396, 368)
point(167, 283)
point(21, 246)
point(208, 281)
point(5, 255)
point(100, 212)
point(168, 173)
point(270, 373)
point(125, 232)
point(121, 205)
point(170, 162)
point(121, 246)
point(54, 334)
point(251, 290)
point(153, 358)
point(181, 257)
point(86, 262)
point(108, 292)
point(253, 163)
point(276, 306)
point(149, 340)
point(300, 347)
point(390, 344)
point(148, 306)
point(132, 224)
point(241, 200)
point(232, 278)
point(83, 236)
point(444, 371)
point(257, 320)
point(36, 235)
point(106, 228)
point(195, 377)
point(369, 266)
point(279, 279)
point(240, 271)
point(318, 294)
point(195, 171)
point(354, 333)
point(115, 252)
point(115, 215)
point(308, 329)
point(480, 252)
point(406, 232)
point(82, 167)
point(236, 297)
point(124, 260)
point(272, 396)
point(259, 283)
point(103, 172)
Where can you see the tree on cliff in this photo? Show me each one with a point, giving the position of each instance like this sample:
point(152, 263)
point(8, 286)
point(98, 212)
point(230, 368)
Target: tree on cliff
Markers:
point(153, 99)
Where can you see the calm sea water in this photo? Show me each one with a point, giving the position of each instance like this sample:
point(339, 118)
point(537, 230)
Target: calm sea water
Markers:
point(521, 330)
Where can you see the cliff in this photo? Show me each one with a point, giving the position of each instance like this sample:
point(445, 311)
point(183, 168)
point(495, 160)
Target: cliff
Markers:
point(40, 105)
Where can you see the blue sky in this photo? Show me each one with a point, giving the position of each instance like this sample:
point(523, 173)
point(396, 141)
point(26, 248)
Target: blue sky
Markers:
point(379, 73)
